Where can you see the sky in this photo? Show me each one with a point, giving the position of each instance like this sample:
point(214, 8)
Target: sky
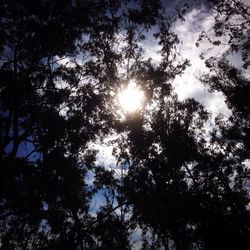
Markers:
point(198, 19)
point(187, 85)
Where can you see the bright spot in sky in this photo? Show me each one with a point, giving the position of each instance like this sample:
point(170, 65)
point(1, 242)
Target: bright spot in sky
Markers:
point(131, 98)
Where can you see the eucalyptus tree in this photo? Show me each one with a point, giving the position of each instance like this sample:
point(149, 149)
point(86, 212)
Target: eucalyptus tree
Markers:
point(188, 191)
point(229, 73)
point(231, 26)
point(60, 62)
point(62, 65)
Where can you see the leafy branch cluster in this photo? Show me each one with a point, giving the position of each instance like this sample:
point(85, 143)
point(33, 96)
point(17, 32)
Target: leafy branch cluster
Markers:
point(61, 65)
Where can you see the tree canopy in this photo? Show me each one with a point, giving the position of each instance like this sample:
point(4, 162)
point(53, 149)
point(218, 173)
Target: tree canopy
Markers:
point(62, 65)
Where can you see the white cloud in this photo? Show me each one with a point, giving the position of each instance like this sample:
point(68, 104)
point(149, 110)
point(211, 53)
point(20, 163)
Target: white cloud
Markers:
point(188, 84)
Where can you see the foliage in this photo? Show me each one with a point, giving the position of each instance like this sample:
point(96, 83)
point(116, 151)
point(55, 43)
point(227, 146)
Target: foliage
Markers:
point(231, 24)
point(61, 65)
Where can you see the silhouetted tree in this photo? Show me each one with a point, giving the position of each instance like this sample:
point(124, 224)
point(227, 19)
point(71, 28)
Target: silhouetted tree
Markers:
point(190, 191)
point(58, 66)
point(231, 26)
point(61, 65)
point(232, 134)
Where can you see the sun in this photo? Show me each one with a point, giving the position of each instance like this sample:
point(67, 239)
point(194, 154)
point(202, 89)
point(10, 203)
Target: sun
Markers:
point(131, 98)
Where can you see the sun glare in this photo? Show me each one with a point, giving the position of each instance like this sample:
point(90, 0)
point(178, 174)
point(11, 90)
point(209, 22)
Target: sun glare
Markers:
point(131, 98)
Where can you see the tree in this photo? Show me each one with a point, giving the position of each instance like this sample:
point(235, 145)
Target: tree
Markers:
point(232, 133)
point(62, 62)
point(232, 19)
point(191, 192)
point(231, 26)
point(58, 66)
